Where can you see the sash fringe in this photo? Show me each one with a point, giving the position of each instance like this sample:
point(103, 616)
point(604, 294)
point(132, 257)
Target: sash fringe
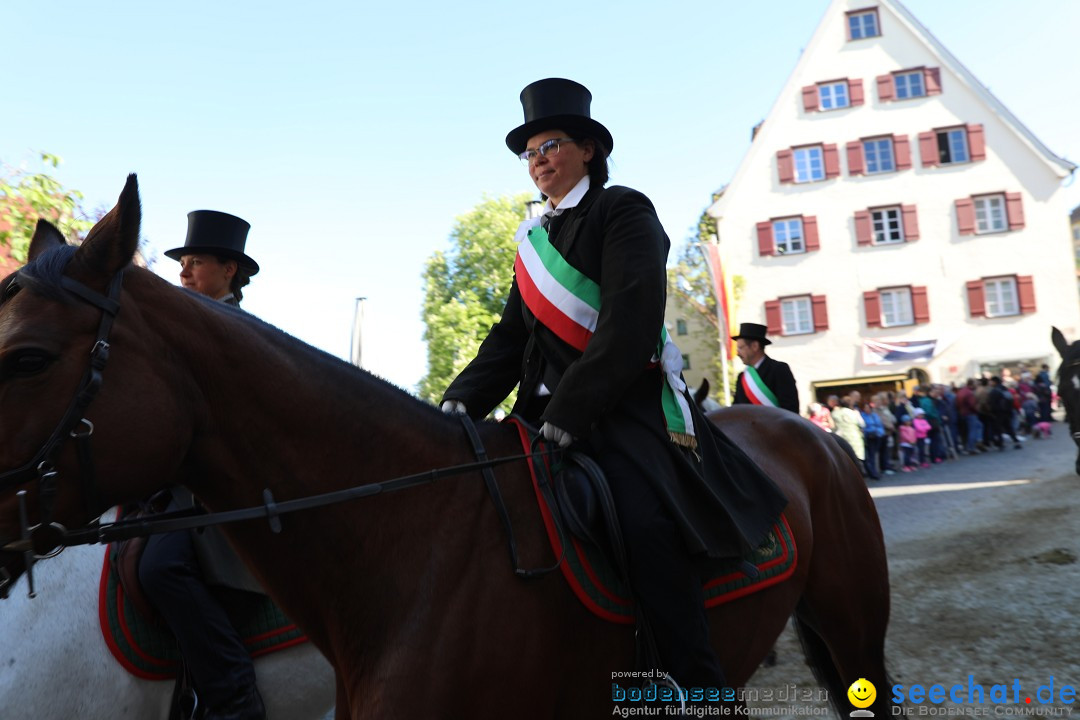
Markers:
point(686, 440)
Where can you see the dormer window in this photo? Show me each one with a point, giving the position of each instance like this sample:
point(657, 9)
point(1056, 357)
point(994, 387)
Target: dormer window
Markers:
point(863, 24)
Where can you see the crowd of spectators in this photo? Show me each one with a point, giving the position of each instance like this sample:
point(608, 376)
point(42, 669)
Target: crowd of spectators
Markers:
point(891, 432)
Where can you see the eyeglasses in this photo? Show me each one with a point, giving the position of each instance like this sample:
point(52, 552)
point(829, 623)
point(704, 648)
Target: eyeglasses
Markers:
point(549, 147)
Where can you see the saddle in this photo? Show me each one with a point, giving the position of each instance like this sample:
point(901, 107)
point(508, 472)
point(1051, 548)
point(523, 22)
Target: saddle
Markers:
point(579, 517)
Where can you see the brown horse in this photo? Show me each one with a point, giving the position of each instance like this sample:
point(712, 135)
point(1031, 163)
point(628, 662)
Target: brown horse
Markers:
point(409, 594)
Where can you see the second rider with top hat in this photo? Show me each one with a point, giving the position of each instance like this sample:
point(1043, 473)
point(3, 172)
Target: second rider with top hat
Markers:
point(764, 381)
point(178, 569)
point(582, 335)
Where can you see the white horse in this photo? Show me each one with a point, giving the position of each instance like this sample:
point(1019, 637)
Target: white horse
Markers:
point(54, 662)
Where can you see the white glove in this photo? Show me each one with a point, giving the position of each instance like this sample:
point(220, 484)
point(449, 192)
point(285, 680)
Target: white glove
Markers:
point(454, 407)
point(556, 435)
point(671, 359)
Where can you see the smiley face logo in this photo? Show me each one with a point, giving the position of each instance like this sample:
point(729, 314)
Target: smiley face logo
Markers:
point(862, 693)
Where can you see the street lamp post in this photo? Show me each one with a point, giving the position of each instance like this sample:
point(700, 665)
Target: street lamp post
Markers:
point(357, 343)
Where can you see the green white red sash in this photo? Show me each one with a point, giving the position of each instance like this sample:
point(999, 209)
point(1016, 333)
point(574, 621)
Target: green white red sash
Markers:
point(567, 302)
point(757, 392)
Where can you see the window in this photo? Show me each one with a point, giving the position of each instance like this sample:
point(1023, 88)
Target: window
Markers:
point(887, 225)
point(1000, 297)
point(990, 214)
point(949, 146)
point(785, 236)
point(680, 327)
point(909, 85)
point(795, 316)
point(863, 24)
point(686, 362)
point(832, 96)
point(878, 155)
point(788, 236)
point(809, 164)
point(896, 307)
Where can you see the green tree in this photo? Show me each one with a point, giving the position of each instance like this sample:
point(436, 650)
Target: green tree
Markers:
point(26, 196)
point(466, 288)
point(689, 281)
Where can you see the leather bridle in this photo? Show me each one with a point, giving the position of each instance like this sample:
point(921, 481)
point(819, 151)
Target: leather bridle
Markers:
point(45, 536)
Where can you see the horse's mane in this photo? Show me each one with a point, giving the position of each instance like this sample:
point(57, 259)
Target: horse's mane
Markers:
point(42, 275)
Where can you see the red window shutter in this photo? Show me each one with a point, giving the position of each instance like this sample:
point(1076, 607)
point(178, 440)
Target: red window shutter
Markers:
point(885, 87)
point(773, 323)
point(810, 98)
point(864, 234)
point(920, 306)
point(976, 142)
point(932, 80)
point(965, 216)
point(832, 161)
point(902, 148)
point(810, 233)
point(855, 165)
point(765, 243)
point(928, 151)
point(911, 222)
point(872, 304)
point(1014, 206)
point(976, 298)
point(820, 312)
point(1025, 288)
point(855, 91)
point(785, 166)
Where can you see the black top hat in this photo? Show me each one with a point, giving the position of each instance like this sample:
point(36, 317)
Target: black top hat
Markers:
point(752, 331)
point(211, 232)
point(553, 104)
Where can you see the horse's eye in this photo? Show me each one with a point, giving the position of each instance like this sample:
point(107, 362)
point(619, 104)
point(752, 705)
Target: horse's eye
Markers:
point(25, 362)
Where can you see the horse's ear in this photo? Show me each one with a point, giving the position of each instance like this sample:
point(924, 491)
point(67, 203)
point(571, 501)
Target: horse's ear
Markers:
point(111, 244)
point(46, 236)
point(1060, 343)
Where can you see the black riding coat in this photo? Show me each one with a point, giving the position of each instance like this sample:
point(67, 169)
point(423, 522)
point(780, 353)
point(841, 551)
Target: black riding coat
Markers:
point(607, 396)
point(777, 377)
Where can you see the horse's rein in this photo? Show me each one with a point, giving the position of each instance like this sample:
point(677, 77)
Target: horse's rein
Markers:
point(42, 467)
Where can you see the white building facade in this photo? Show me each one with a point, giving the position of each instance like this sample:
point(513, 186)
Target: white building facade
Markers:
point(892, 219)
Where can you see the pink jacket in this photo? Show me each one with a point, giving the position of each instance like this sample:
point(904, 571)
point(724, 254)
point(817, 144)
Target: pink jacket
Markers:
point(922, 427)
point(907, 435)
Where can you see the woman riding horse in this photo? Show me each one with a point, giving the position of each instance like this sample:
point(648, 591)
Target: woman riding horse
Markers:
point(583, 332)
point(176, 568)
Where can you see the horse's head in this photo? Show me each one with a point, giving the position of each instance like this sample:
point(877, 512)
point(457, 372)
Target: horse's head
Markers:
point(1069, 384)
point(87, 415)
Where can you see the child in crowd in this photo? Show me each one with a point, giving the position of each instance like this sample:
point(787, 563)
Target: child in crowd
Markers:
point(908, 440)
point(922, 431)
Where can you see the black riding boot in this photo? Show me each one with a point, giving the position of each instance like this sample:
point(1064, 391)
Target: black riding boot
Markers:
point(245, 705)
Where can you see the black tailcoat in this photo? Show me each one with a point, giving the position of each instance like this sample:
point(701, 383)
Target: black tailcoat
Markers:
point(777, 376)
point(607, 396)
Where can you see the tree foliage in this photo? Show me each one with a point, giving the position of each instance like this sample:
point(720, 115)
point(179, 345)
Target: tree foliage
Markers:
point(466, 288)
point(690, 282)
point(26, 196)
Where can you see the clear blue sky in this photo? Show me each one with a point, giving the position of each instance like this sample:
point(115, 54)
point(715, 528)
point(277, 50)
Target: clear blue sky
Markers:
point(351, 134)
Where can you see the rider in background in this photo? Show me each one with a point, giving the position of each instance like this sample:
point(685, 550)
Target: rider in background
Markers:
point(177, 569)
point(681, 489)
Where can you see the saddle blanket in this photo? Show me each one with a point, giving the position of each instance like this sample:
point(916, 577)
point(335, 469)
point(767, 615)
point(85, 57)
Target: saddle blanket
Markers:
point(148, 650)
point(600, 589)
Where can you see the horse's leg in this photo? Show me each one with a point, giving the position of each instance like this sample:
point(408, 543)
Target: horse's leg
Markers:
point(844, 611)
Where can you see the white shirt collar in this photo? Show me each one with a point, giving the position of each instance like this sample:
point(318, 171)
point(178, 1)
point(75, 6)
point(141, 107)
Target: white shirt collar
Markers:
point(571, 200)
point(757, 365)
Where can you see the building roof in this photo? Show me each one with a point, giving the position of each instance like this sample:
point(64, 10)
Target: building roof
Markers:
point(1059, 166)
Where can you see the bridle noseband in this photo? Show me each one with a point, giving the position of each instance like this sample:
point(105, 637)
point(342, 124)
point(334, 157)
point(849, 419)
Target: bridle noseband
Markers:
point(44, 537)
